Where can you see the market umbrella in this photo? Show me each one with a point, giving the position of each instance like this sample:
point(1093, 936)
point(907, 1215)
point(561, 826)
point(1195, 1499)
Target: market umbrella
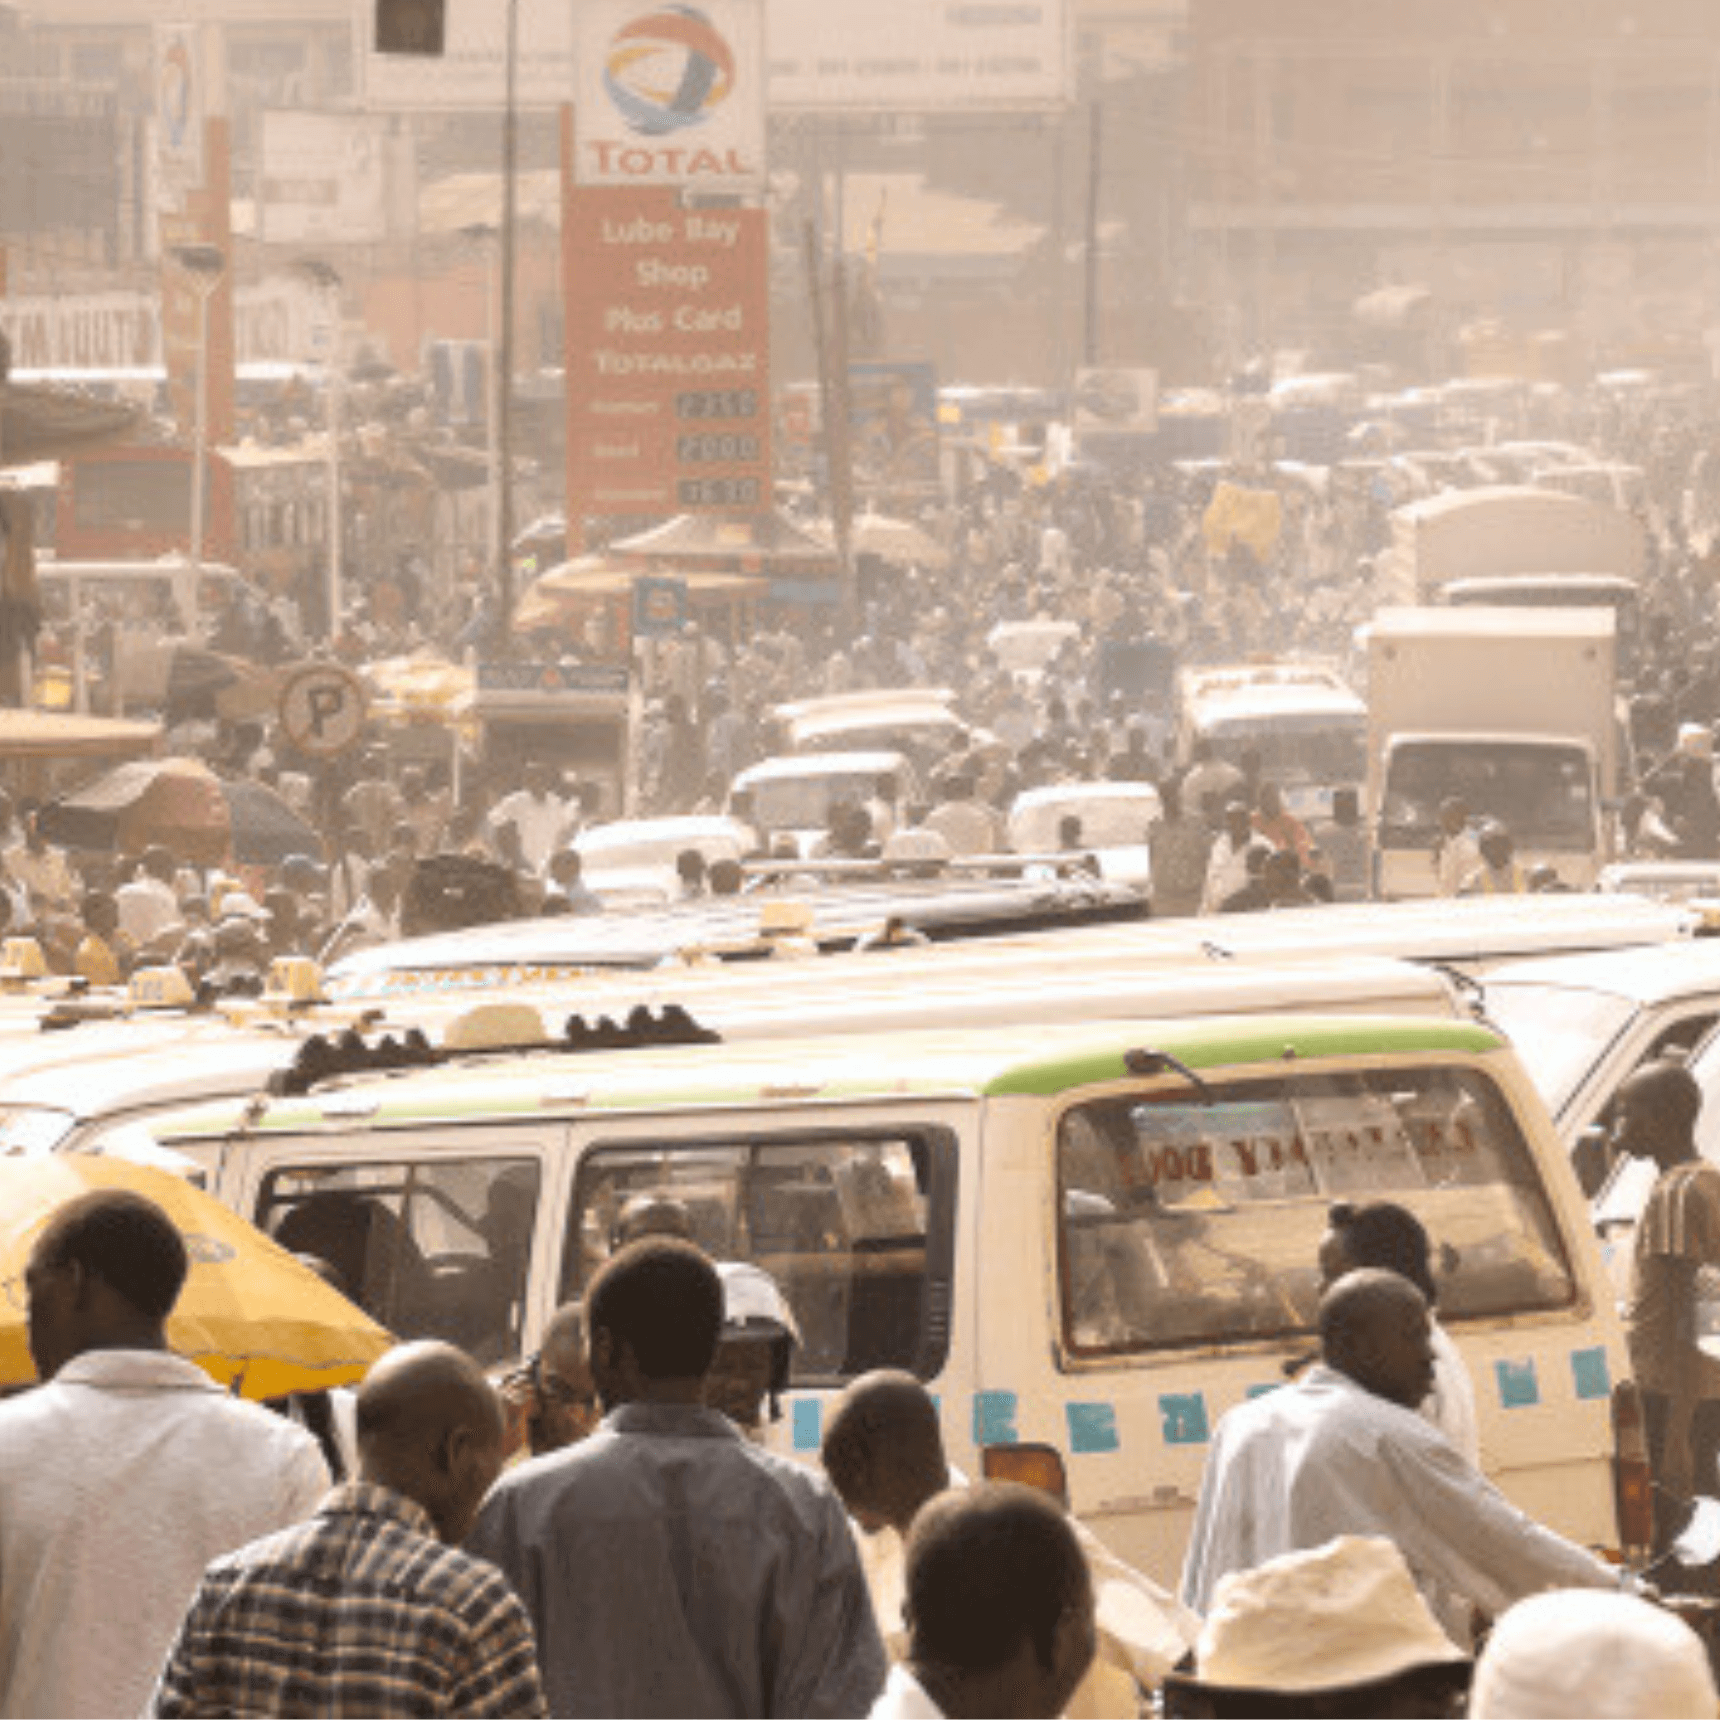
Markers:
point(250, 1315)
point(558, 597)
point(203, 685)
point(183, 805)
point(749, 544)
point(899, 542)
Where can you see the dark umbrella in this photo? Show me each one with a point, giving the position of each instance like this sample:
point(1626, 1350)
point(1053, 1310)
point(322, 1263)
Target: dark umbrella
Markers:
point(265, 829)
point(182, 805)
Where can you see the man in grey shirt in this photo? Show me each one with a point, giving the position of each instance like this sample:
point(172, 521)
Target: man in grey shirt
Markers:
point(669, 1566)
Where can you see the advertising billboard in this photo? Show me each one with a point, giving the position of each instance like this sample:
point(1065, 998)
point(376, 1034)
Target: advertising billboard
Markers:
point(324, 179)
point(919, 56)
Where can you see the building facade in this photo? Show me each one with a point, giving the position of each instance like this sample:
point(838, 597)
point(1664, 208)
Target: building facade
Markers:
point(1536, 163)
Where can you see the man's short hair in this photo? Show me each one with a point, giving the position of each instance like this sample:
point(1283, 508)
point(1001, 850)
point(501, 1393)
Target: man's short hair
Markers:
point(663, 1299)
point(987, 1568)
point(1382, 1233)
point(126, 1241)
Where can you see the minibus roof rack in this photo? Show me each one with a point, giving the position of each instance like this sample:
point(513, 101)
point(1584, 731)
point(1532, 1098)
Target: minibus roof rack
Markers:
point(333, 1056)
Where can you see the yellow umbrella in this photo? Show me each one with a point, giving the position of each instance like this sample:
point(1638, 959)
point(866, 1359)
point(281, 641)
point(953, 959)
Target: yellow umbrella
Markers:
point(250, 1315)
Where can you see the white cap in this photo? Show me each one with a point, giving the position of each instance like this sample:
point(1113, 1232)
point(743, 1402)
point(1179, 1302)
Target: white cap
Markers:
point(1343, 1614)
point(1592, 1652)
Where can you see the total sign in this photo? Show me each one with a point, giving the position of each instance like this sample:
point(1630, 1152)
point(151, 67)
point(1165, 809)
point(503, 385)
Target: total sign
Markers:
point(670, 94)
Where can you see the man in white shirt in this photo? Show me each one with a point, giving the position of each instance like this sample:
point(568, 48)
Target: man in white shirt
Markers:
point(966, 823)
point(148, 904)
point(1227, 869)
point(1456, 853)
point(126, 1472)
point(1381, 1233)
point(1343, 1452)
point(999, 1608)
point(539, 816)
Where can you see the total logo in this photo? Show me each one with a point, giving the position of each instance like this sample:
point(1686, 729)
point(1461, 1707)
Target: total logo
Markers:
point(668, 73)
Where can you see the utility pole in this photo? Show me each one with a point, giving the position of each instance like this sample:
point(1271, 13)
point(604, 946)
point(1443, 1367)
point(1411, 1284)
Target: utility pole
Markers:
point(831, 345)
point(1090, 332)
point(505, 356)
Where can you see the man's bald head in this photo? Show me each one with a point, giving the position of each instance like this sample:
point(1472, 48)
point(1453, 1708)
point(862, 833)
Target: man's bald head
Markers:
point(1374, 1327)
point(883, 1449)
point(1657, 1108)
point(430, 1426)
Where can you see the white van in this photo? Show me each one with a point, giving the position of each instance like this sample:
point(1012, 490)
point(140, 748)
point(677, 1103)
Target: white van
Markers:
point(1093, 1239)
point(1307, 726)
point(793, 794)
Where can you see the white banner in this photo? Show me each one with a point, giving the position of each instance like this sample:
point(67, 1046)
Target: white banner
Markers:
point(324, 179)
point(919, 56)
point(272, 321)
point(670, 94)
point(472, 70)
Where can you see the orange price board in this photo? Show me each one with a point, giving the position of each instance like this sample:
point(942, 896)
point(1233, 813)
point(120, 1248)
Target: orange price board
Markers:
point(668, 355)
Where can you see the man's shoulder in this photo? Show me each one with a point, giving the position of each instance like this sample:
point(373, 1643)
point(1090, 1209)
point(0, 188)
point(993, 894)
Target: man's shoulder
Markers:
point(265, 1435)
point(395, 1561)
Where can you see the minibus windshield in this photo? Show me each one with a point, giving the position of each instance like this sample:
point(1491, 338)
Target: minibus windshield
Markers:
point(1189, 1222)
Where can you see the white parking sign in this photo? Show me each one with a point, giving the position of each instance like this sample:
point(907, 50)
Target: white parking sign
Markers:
point(323, 709)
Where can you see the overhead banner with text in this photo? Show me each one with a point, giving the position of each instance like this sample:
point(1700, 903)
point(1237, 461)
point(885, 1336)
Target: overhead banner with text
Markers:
point(670, 94)
point(668, 355)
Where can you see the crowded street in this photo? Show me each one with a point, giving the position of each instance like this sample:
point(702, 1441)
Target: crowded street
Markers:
point(859, 857)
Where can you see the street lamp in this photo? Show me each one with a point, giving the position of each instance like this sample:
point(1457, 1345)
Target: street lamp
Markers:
point(205, 264)
point(326, 278)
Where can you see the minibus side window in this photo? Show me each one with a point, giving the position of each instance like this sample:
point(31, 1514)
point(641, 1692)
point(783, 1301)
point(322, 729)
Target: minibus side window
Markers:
point(856, 1230)
point(1192, 1220)
point(436, 1248)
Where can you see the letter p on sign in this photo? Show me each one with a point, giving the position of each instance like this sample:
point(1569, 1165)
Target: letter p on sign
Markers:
point(323, 708)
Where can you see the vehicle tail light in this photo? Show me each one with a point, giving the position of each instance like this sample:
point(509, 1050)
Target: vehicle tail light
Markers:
point(1633, 1481)
point(1033, 1465)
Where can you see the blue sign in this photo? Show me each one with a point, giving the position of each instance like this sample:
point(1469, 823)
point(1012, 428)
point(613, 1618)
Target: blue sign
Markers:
point(659, 606)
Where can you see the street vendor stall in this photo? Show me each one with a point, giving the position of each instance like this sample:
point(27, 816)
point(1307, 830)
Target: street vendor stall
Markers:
point(800, 568)
point(623, 598)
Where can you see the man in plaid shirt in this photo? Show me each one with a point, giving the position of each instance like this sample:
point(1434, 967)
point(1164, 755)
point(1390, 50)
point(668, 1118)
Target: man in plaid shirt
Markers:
point(370, 1608)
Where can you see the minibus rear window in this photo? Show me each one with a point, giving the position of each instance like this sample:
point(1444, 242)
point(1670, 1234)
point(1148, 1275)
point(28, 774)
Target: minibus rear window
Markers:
point(1196, 1220)
point(856, 1230)
point(432, 1249)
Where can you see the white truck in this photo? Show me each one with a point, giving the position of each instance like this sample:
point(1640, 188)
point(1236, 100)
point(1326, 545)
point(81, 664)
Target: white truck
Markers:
point(1505, 531)
point(1511, 710)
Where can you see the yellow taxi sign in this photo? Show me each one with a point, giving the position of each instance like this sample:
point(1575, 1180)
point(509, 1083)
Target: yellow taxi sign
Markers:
point(160, 988)
point(294, 980)
point(21, 959)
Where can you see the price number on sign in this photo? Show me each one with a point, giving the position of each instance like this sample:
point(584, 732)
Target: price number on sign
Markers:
point(715, 449)
point(718, 492)
point(717, 403)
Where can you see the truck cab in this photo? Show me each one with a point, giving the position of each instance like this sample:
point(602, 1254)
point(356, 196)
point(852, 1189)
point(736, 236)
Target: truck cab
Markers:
point(1510, 710)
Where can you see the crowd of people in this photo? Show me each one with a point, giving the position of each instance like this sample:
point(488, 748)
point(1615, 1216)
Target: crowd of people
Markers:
point(607, 1534)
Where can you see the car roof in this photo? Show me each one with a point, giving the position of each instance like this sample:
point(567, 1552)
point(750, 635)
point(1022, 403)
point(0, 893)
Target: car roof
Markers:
point(1053, 792)
point(1029, 1060)
point(941, 907)
point(1653, 974)
point(787, 766)
point(626, 832)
